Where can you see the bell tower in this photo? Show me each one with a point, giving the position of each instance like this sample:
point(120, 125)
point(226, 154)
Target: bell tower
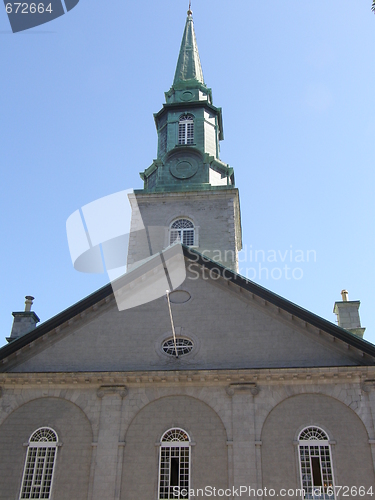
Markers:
point(188, 191)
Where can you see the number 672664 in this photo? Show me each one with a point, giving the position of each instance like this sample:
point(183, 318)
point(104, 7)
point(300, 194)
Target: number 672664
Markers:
point(25, 8)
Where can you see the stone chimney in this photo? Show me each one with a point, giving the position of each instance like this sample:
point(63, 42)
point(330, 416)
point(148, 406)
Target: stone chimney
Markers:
point(24, 321)
point(347, 312)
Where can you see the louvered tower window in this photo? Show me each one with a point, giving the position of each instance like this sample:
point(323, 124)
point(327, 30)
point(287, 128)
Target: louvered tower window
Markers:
point(182, 230)
point(186, 129)
point(316, 464)
point(174, 467)
point(39, 464)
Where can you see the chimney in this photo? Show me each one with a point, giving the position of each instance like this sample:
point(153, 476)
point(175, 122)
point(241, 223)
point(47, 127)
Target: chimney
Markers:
point(24, 321)
point(347, 313)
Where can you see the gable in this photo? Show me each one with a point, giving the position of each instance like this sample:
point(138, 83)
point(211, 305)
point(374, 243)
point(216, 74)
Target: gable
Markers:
point(231, 328)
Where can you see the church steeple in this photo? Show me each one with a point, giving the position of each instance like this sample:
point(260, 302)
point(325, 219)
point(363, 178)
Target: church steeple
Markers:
point(189, 130)
point(188, 83)
point(189, 67)
point(188, 191)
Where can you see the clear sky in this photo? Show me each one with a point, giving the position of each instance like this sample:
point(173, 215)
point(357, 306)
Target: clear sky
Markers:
point(296, 81)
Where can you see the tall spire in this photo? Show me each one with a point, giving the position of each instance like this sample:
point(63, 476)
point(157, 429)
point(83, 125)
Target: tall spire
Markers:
point(189, 67)
point(189, 130)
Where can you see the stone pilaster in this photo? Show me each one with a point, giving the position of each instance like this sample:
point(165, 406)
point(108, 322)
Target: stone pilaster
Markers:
point(368, 388)
point(107, 449)
point(244, 437)
point(230, 464)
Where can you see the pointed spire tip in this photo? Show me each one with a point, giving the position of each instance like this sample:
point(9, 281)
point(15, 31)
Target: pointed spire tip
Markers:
point(188, 67)
point(190, 12)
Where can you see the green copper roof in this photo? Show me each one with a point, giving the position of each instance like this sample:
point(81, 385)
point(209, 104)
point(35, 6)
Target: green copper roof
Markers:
point(188, 65)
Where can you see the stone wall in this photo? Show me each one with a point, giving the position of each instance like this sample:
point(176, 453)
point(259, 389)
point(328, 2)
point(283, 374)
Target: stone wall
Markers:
point(350, 450)
point(231, 330)
point(73, 457)
point(243, 426)
point(208, 450)
point(215, 214)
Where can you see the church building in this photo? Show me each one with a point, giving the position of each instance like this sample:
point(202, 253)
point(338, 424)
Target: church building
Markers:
point(218, 387)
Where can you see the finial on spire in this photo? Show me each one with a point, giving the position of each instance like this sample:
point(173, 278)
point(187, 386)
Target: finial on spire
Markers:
point(190, 12)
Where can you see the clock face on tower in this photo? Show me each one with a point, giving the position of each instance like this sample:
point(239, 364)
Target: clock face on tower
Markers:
point(184, 168)
point(184, 164)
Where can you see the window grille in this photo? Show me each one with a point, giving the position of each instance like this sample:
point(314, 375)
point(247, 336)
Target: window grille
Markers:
point(186, 129)
point(182, 230)
point(184, 346)
point(39, 464)
point(316, 464)
point(174, 471)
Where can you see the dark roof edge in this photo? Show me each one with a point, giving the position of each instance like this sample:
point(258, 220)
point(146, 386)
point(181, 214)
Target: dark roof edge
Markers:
point(278, 301)
point(56, 321)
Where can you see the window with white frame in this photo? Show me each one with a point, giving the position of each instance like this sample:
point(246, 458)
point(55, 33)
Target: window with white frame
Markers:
point(182, 345)
point(182, 230)
point(174, 467)
point(186, 129)
point(39, 464)
point(316, 464)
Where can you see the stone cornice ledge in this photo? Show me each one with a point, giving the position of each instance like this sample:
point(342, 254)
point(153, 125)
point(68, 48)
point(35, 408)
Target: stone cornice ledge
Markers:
point(261, 377)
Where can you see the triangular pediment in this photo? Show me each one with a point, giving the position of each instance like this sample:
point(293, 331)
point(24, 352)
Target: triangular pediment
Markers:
point(231, 322)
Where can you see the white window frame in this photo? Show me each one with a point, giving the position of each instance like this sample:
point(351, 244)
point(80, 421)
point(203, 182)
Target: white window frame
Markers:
point(167, 447)
point(35, 482)
point(181, 234)
point(313, 442)
point(184, 346)
point(186, 130)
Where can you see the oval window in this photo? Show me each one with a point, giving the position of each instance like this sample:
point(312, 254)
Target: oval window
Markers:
point(183, 346)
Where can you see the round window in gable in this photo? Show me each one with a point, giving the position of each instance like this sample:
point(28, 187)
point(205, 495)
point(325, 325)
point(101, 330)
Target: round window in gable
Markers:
point(183, 345)
point(179, 296)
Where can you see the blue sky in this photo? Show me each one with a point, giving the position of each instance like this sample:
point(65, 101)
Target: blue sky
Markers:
point(296, 82)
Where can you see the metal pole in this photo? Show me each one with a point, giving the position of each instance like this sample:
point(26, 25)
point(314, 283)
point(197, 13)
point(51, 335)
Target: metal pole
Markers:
point(170, 315)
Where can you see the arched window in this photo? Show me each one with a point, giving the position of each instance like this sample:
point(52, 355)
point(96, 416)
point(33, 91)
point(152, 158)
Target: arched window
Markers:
point(316, 464)
point(174, 470)
point(182, 230)
point(40, 459)
point(186, 129)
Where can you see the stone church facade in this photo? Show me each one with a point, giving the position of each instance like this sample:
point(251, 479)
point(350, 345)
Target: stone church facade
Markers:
point(246, 395)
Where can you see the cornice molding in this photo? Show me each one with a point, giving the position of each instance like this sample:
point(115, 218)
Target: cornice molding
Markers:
point(364, 375)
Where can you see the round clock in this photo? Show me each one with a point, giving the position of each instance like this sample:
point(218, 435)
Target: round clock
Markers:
point(184, 162)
